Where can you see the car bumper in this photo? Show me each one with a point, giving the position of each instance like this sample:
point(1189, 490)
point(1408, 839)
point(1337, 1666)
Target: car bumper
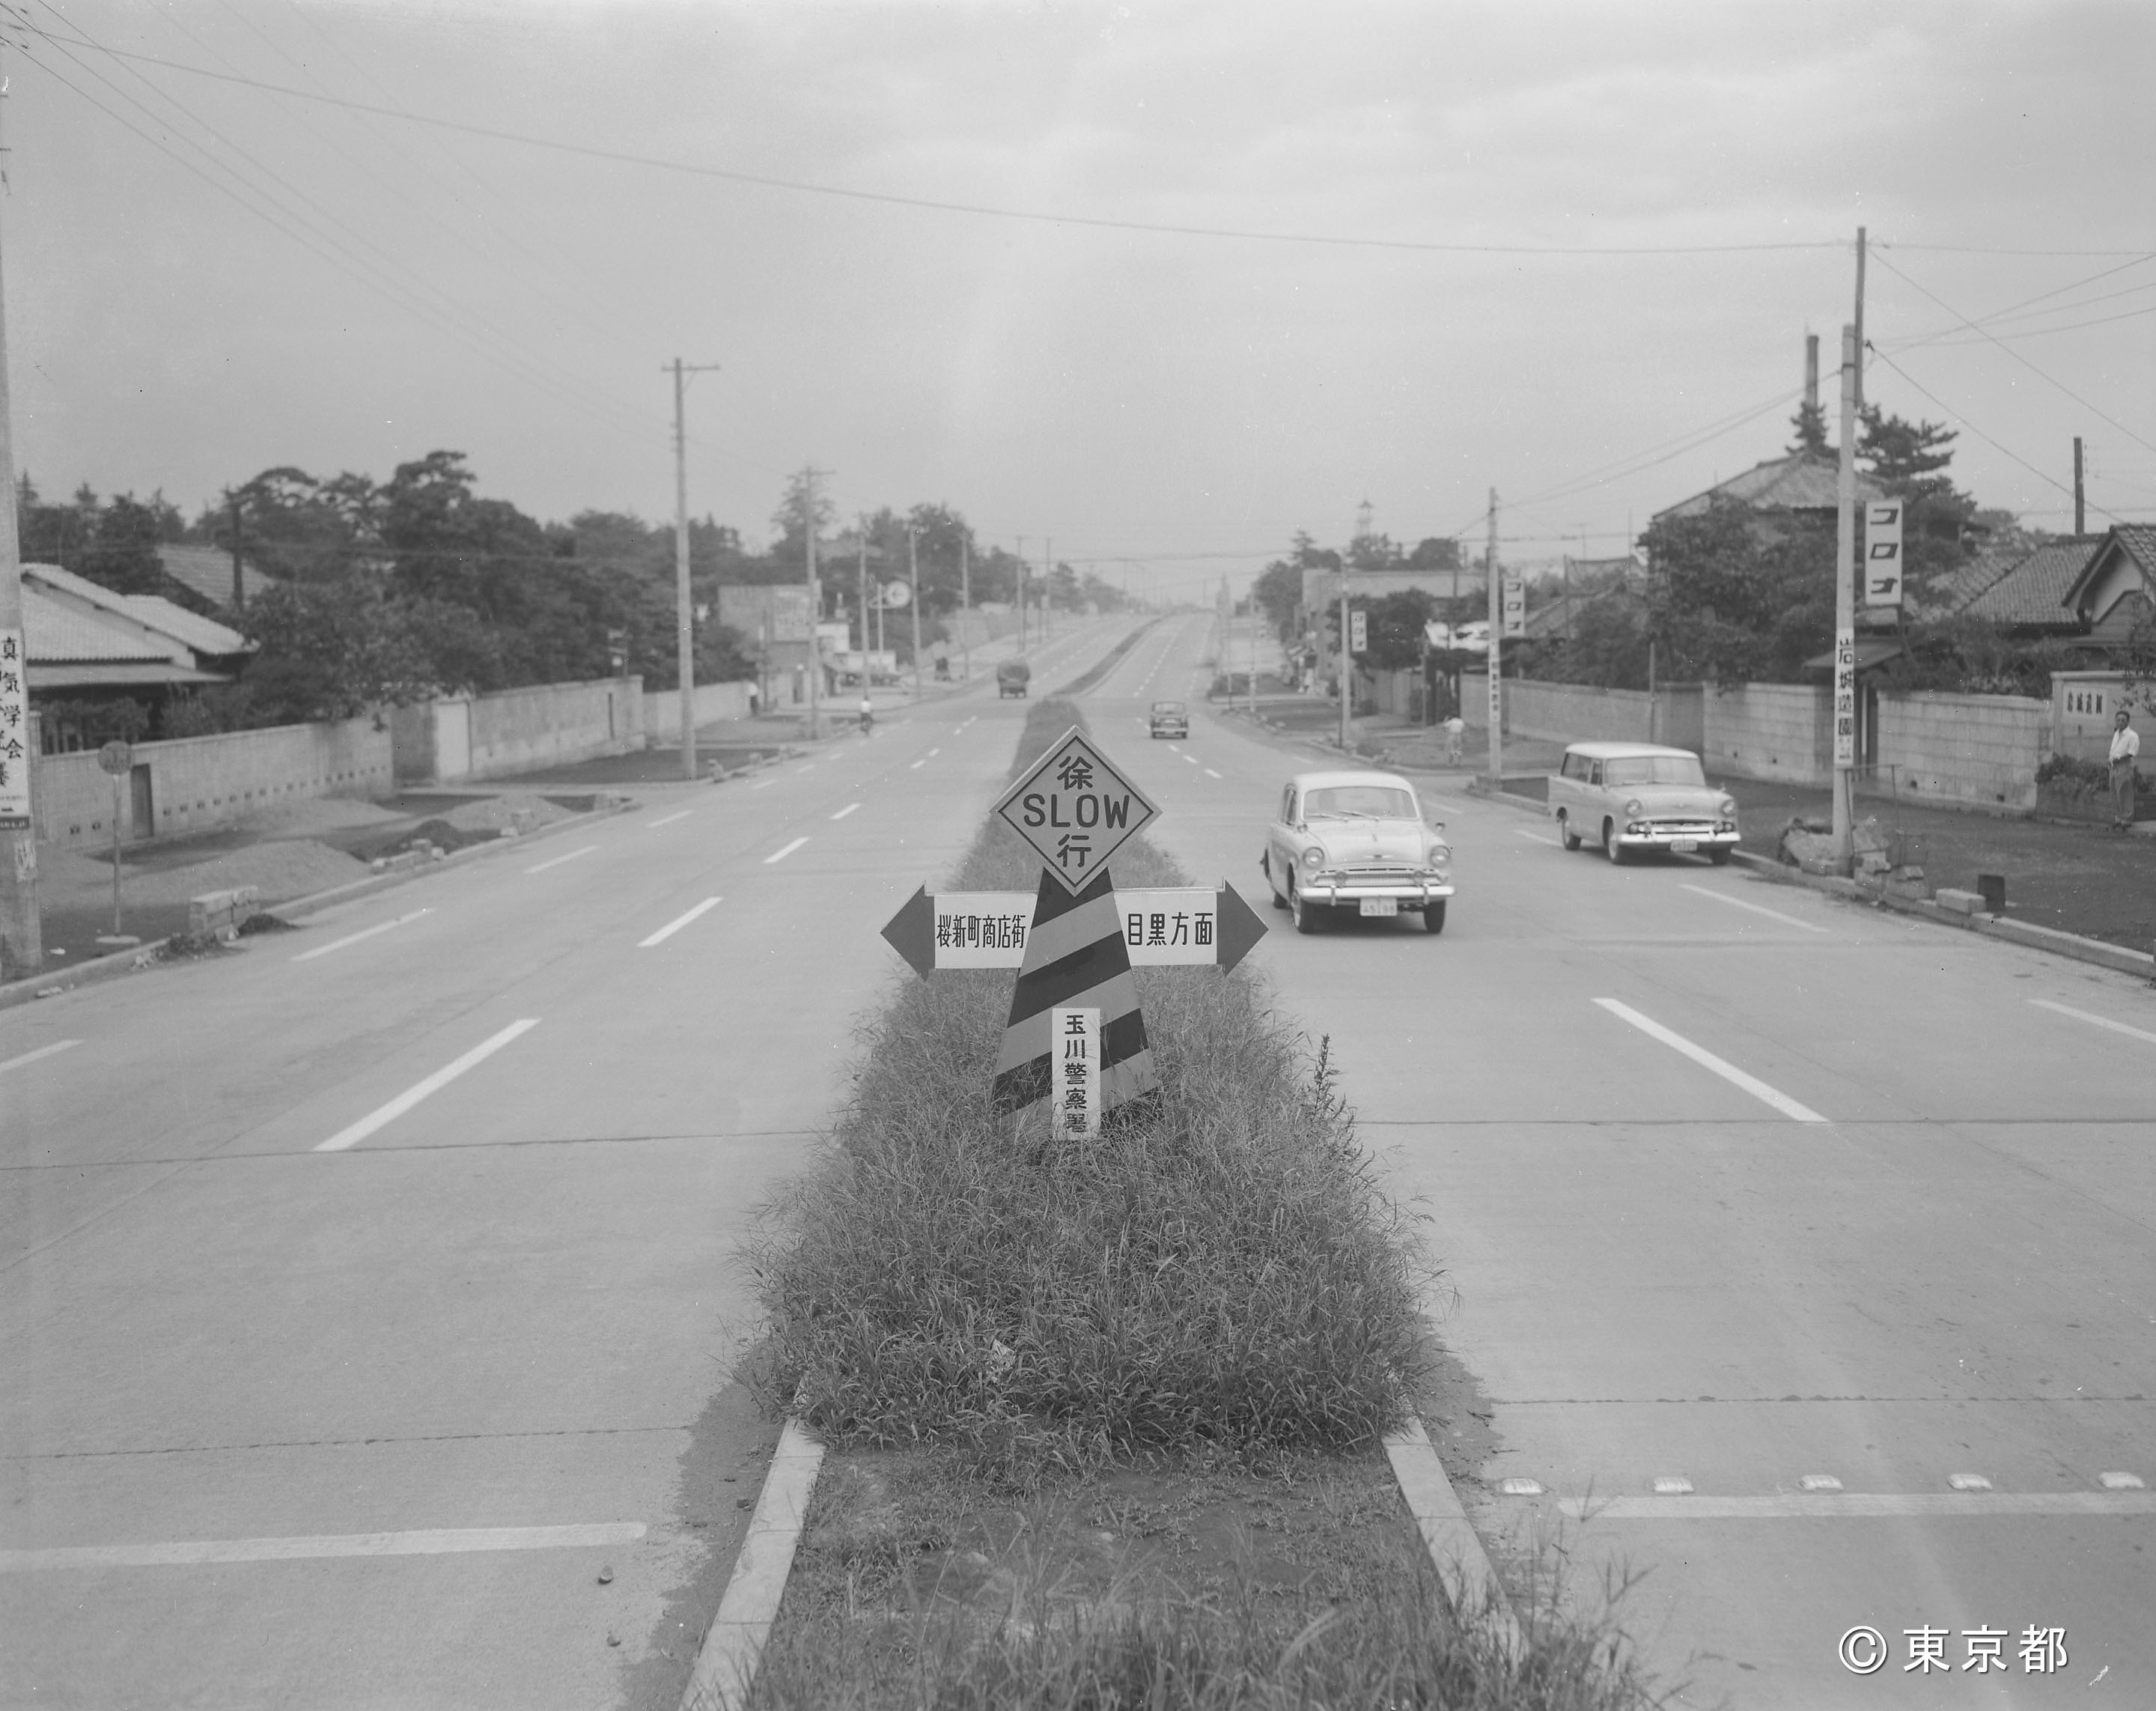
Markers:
point(1408, 894)
point(1178, 731)
point(1668, 838)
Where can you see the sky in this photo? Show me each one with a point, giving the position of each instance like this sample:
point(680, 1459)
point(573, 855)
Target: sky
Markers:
point(1161, 284)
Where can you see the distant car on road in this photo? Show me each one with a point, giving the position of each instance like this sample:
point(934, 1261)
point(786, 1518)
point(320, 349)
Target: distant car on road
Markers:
point(1634, 796)
point(1012, 677)
point(1170, 718)
point(1355, 842)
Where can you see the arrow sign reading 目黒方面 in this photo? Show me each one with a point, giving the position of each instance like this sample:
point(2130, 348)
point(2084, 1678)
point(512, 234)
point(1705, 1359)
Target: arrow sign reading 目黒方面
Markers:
point(1076, 810)
point(1163, 927)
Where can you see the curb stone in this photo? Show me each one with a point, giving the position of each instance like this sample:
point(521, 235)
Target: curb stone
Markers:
point(54, 982)
point(1447, 1534)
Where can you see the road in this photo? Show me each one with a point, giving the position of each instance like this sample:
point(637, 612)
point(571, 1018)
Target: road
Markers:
point(1732, 1184)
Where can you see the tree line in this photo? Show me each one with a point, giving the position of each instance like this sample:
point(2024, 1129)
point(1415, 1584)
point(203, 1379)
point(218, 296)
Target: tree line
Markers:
point(393, 591)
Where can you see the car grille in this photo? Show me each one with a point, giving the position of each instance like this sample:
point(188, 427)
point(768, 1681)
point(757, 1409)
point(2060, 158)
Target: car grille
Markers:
point(1380, 872)
point(1684, 828)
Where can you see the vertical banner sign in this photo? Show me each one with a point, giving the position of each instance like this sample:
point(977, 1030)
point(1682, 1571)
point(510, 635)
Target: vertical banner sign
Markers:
point(1882, 554)
point(1076, 811)
point(1515, 594)
point(1077, 1033)
point(1844, 697)
point(1358, 632)
point(14, 734)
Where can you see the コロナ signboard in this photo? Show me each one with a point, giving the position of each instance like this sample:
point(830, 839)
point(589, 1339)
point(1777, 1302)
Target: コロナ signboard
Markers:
point(1076, 810)
point(1882, 554)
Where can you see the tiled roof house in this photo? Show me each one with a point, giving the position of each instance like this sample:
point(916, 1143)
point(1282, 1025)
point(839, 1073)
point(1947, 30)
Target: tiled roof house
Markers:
point(82, 635)
point(2116, 587)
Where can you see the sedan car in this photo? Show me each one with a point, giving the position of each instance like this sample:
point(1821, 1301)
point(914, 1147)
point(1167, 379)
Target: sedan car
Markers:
point(1355, 842)
point(1170, 718)
point(1634, 796)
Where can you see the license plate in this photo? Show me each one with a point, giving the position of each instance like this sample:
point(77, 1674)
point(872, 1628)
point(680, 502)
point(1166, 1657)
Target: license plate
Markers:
point(1381, 906)
point(1684, 846)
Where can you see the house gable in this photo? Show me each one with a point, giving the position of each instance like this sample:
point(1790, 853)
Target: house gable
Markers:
point(2116, 587)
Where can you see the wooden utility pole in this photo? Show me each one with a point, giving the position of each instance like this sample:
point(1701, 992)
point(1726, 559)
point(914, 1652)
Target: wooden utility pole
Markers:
point(22, 932)
point(1859, 321)
point(1845, 606)
point(1047, 586)
point(913, 576)
point(238, 585)
point(1021, 593)
point(684, 617)
point(1496, 651)
point(1347, 660)
point(966, 599)
point(815, 609)
point(2080, 514)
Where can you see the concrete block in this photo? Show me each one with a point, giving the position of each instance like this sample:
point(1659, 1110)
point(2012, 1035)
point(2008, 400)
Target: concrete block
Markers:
point(1960, 902)
point(218, 913)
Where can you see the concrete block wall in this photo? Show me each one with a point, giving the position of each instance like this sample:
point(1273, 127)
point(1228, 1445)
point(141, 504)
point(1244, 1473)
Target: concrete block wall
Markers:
point(2082, 706)
point(1581, 712)
point(198, 783)
point(1977, 751)
point(1771, 731)
point(518, 729)
point(662, 708)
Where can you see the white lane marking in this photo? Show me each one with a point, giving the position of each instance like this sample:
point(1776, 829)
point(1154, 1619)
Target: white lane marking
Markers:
point(933, 753)
point(1862, 1505)
point(810, 767)
point(668, 820)
point(1707, 1060)
point(846, 811)
point(51, 1051)
point(559, 859)
point(917, 763)
point(780, 855)
point(1537, 837)
point(2067, 1009)
point(413, 1095)
point(438, 1541)
point(763, 783)
point(1192, 759)
point(1210, 773)
point(338, 944)
point(1756, 908)
point(677, 923)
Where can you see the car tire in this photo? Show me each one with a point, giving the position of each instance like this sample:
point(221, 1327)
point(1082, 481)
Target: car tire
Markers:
point(1610, 847)
point(1305, 914)
point(1433, 917)
point(1565, 831)
point(1720, 858)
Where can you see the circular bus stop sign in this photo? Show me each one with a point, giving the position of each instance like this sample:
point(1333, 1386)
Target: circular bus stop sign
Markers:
point(116, 757)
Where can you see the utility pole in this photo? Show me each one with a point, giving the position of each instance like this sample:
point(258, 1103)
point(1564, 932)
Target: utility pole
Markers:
point(966, 599)
point(1021, 593)
point(1845, 604)
point(815, 610)
point(1254, 650)
point(861, 537)
point(685, 619)
point(1047, 586)
point(22, 933)
point(1496, 652)
point(1859, 321)
point(913, 575)
point(239, 587)
point(2080, 515)
point(1347, 660)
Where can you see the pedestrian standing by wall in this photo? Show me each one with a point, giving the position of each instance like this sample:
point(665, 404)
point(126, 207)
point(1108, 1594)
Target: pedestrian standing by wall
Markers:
point(2125, 751)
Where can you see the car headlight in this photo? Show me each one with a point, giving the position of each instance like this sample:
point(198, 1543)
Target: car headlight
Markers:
point(1633, 807)
point(1729, 806)
point(1313, 858)
point(1439, 854)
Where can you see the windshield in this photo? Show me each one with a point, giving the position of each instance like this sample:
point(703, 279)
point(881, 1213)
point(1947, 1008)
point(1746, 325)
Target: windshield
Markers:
point(1653, 769)
point(1359, 802)
point(1168, 706)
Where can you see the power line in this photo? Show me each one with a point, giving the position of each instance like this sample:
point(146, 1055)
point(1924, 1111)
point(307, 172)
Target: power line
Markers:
point(2013, 310)
point(1949, 308)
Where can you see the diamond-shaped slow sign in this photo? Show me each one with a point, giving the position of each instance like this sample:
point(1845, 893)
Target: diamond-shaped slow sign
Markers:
point(1074, 809)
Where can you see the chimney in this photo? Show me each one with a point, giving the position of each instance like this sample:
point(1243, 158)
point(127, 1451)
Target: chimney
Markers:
point(1812, 372)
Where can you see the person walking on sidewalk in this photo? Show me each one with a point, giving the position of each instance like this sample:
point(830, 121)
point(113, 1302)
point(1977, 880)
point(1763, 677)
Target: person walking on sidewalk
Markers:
point(1455, 735)
point(2125, 751)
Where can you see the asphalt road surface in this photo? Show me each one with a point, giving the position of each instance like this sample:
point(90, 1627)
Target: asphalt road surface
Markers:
point(322, 1393)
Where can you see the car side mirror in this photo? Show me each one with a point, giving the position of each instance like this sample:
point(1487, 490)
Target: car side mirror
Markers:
point(1437, 825)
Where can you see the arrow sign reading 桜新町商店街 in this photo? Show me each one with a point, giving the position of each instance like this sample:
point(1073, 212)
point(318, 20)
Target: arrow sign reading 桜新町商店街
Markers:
point(1163, 927)
point(1074, 809)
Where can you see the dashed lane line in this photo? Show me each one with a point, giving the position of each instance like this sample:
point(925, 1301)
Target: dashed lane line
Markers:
point(783, 851)
point(677, 923)
point(1210, 773)
point(436, 1541)
point(1707, 1060)
point(763, 783)
point(559, 859)
point(1536, 837)
point(1756, 908)
point(338, 944)
point(1862, 1505)
point(51, 1051)
point(922, 763)
point(846, 811)
point(668, 820)
point(384, 1115)
point(2067, 1009)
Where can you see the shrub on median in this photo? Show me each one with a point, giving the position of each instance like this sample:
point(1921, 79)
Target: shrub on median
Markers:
point(1227, 1270)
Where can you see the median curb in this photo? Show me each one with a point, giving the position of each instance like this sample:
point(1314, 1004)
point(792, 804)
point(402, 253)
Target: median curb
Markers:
point(1447, 1534)
point(53, 983)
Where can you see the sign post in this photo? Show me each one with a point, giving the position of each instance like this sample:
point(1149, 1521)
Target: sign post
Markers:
point(1075, 810)
point(118, 760)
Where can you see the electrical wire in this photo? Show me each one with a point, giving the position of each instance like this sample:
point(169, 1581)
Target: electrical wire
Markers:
point(2015, 312)
point(1949, 308)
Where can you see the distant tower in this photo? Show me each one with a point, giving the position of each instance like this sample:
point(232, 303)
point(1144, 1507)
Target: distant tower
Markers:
point(1362, 520)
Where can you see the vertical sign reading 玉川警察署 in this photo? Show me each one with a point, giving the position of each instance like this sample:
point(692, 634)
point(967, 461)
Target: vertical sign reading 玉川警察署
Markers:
point(1075, 1088)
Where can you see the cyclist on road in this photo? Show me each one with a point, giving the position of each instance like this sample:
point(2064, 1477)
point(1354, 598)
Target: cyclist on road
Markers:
point(867, 713)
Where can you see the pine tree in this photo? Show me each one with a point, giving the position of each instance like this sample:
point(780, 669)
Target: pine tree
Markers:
point(1811, 423)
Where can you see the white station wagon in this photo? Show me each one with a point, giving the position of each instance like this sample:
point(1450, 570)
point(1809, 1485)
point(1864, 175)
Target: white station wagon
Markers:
point(1628, 796)
point(1355, 842)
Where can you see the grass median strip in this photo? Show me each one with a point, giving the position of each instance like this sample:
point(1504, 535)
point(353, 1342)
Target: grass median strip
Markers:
point(1107, 1420)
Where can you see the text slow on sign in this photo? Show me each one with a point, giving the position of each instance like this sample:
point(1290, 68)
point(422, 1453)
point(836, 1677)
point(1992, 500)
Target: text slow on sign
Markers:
point(1074, 809)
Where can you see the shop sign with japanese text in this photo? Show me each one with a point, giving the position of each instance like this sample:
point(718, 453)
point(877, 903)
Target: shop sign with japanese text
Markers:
point(14, 733)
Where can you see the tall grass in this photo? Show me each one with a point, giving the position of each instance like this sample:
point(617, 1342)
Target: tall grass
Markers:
point(1227, 1271)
